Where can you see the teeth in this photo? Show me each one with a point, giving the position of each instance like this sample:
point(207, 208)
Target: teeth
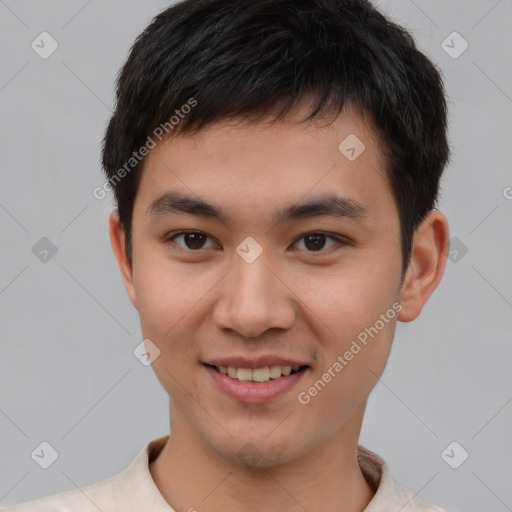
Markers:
point(275, 372)
point(244, 374)
point(258, 374)
point(261, 374)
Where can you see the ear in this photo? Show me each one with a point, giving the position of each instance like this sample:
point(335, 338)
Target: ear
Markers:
point(430, 248)
point(117, 240)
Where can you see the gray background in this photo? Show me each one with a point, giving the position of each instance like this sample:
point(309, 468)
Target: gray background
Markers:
point(68, 375)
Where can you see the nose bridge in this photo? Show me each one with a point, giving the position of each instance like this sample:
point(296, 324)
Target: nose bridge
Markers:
point(253, 299)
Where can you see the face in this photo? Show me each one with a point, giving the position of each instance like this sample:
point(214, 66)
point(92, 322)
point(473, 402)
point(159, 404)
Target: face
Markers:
point(258, 278)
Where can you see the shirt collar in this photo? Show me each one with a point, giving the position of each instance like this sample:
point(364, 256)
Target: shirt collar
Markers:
point(373, 467)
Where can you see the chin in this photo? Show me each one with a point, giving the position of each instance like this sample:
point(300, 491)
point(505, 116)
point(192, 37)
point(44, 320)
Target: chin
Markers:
point(260, 454)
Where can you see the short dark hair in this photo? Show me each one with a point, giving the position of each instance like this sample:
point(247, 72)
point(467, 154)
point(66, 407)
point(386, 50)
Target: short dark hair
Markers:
point(242, 59)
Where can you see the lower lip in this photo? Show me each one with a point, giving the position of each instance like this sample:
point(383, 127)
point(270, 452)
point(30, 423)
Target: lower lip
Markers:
point(254, 392)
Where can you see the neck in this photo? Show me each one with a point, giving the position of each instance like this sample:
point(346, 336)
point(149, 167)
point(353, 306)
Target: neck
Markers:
point(192, 476)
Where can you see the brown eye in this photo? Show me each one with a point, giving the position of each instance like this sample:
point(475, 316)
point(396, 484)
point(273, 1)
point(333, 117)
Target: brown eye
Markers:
point(315, 242)
point(193, 240)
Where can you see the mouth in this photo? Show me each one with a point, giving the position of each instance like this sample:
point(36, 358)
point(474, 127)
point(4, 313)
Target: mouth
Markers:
point(255, 385)
point(260, 375)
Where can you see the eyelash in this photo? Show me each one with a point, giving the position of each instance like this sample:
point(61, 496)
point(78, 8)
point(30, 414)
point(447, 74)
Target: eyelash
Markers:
point(340, 242)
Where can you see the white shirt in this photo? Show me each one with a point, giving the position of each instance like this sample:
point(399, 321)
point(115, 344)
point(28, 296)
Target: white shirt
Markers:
point(134, 490)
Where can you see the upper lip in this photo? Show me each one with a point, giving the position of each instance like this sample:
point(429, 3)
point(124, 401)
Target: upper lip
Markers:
point(255, 362)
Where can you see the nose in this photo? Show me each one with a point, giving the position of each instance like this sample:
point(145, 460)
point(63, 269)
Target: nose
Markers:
point(254, 298)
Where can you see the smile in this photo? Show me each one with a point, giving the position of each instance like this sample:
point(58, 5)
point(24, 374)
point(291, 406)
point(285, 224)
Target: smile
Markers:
point(263, 374)
point(243, 384)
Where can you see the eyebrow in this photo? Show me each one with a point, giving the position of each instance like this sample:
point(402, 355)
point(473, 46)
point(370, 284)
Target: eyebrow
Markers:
point(176, 202)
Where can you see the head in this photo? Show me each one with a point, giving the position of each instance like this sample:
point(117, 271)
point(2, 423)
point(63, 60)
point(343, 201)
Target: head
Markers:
point(243, 110)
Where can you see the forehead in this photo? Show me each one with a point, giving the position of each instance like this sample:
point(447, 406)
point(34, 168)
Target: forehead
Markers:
point(250, 168)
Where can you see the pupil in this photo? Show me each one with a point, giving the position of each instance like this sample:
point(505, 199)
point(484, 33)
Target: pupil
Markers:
point(319, 240)
point(192, 238)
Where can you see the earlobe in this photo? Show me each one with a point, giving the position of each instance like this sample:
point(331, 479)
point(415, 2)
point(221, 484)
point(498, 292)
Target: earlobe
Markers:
point(117, 241)
point(428, 260)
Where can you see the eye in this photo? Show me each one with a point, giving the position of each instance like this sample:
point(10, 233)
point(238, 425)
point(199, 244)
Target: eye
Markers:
point(193, 240)
point(315, 241)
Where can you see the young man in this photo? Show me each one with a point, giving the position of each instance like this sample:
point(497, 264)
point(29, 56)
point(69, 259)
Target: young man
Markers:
point(275, 165)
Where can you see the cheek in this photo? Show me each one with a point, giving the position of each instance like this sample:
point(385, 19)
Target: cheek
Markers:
point(356, 317)
point(166, 291)
point(163, 301)
point(165, 306)
point(173, 303)
point(350, 370)
point(348, 300)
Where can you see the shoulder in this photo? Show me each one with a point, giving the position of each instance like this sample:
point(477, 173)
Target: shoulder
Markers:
point(411, 502)
point(89, 498)
point(389, 495)
point(130, 490)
